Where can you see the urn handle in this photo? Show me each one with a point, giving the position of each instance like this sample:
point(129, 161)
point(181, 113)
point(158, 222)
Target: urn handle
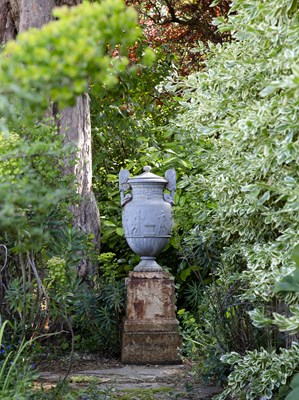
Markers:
point(124, 175)
point(170, 176)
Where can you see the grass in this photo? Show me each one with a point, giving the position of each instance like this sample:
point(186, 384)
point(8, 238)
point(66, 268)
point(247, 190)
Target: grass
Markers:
point(87, 379)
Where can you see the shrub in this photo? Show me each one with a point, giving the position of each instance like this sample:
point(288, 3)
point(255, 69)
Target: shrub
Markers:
point(239, 123)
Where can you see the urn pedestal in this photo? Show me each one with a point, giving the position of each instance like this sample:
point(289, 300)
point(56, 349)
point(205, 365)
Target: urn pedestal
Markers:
point(150, 331)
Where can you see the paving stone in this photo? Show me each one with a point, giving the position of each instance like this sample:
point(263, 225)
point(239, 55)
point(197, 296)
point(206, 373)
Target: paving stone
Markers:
point(137, 377)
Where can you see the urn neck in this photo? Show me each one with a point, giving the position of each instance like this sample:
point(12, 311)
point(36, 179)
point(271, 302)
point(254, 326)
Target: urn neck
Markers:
point(147, 191)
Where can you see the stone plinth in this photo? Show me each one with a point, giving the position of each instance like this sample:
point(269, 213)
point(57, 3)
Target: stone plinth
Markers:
point(150, 334)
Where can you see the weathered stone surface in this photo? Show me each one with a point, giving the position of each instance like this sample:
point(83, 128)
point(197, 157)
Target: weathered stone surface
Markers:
point(138, 377)
point(150, 296)
point(148, 326)
point(151, 348)
point(150, 334)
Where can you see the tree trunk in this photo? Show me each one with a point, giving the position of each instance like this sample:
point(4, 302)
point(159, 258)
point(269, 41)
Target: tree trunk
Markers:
point(35, 13)
point(75, 125)
point(17, 16)
point(9, 20)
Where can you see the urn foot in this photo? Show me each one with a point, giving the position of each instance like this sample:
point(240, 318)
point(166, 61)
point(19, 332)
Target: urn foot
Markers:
point(148, 264)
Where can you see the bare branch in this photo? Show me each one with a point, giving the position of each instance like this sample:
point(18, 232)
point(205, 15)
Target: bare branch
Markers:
point(40, 287)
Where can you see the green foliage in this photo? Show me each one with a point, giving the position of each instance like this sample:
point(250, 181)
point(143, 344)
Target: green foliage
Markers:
point(16, 377)
point(97, 318)
point(99, 310)
point(246, 172)
point(200, 346)
point(285, 323)
point(110, 268)
point(238, 124)
point(294, 385)
point(62, 391)
point(260, 372)
point(69, 243)
point(59, 59)
point(56, 267)
point(289, 283)
point(190, 331)
point(17, 302)
point(193, 294)
point(42, 299)
point(89, 312)
point(30, 182)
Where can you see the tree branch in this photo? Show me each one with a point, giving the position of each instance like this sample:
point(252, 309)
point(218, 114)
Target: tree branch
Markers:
point(40, 287)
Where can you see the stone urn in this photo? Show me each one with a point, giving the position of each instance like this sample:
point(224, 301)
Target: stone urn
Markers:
point(147, 214)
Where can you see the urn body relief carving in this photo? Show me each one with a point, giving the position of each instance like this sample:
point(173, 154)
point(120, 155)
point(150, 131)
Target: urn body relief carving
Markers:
point(147, 214)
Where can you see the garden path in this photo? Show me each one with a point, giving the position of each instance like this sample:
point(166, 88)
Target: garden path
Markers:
point(175, 381)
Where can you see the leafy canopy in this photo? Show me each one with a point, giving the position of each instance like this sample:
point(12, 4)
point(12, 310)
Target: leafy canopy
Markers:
point(59, 59)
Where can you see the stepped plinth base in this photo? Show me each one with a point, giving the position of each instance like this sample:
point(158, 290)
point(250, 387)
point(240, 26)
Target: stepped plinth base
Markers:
point(150, 334)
